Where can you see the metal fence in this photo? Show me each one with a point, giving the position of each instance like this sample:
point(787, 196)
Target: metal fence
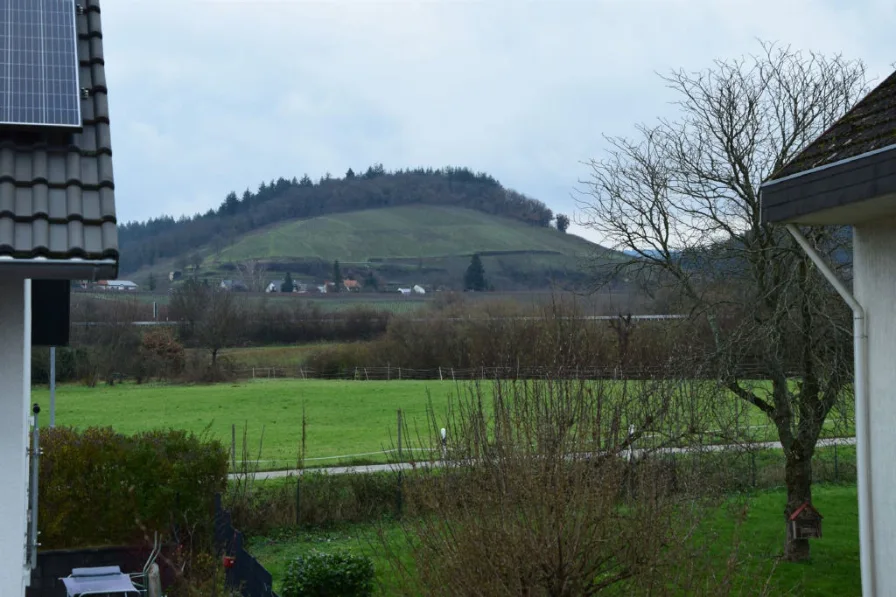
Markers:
point(243, 572)
point(390, 373)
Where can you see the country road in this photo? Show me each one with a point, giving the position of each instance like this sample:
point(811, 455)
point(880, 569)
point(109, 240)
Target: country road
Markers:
point(380, 468)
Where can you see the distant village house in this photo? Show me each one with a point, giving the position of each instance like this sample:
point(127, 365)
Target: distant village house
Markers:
point(277, 286)
point(234, 286)
point(120, 285)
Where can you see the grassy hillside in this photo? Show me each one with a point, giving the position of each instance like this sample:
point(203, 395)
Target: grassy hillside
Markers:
point(406, 232)
point(406, 245)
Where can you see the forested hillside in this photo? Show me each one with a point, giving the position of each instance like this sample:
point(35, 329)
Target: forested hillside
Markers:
point(143, 243)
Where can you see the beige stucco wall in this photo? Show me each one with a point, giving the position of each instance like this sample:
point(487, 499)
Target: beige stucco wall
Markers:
point(15, 396)
point(875, 288)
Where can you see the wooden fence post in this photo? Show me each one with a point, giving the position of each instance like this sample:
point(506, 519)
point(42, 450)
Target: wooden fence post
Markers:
point(440, 374)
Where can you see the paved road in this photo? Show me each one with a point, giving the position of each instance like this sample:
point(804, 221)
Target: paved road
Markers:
point(380, 468)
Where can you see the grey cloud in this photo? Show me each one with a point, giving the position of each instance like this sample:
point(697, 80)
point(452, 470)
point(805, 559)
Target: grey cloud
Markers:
point(208, 97)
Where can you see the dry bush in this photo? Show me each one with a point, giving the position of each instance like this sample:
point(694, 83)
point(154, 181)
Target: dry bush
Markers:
point(162, 354)
point(542, 492)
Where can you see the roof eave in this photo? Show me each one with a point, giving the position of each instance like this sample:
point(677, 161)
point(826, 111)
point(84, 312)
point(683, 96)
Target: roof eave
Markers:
point(59, 269)
point(849, 192)
point(824, 167)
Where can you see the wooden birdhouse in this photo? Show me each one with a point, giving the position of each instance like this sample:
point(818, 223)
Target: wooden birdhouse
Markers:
point(805, 522)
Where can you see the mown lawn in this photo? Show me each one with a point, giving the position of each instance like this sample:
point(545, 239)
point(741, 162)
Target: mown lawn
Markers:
point(349, 422)
point(833, 569)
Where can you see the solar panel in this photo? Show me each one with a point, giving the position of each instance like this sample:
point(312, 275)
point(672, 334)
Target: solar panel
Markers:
point(39, 63)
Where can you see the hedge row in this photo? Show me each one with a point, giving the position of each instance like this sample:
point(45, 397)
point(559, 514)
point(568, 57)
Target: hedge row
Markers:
point(99, 487)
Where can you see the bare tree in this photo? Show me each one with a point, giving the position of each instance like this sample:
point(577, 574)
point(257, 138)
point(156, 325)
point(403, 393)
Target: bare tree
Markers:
point(683, 196)
point(221, 322)
point(211, 317)
point(110, 338)
point(253, 273)
point(196, 261)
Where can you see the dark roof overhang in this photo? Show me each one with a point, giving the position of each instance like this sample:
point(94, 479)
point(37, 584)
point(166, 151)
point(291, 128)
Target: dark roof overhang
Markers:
point(59, 269)
point(849, 191)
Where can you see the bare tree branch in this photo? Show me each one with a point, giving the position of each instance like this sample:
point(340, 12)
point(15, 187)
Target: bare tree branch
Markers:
point(683, 199)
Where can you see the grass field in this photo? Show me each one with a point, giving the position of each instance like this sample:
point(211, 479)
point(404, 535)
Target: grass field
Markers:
point(345, 418)
point(349, 422)
point(412, 231)
point(270, 356)
point(833, 570)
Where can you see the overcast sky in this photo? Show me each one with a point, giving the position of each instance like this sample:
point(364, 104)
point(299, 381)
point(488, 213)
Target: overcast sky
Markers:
point(209, 96)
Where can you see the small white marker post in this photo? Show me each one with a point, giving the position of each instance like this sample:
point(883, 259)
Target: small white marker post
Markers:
point(444, 434)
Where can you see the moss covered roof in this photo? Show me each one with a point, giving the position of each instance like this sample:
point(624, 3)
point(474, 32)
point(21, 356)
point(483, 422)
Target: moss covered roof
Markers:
point(869, 125)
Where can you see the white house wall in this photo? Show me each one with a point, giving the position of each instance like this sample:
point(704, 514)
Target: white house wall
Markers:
point(15, 397)
point(874, 271)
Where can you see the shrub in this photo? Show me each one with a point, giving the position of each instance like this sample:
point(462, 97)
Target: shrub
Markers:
point(162, 355)
point(70, 364)
point(537, 494)
point(98, 487)
point(259, 507)
point(337, 574)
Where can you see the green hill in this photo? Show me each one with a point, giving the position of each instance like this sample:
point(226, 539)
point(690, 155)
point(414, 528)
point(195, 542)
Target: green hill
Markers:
point(407, 232)
point(408, 226)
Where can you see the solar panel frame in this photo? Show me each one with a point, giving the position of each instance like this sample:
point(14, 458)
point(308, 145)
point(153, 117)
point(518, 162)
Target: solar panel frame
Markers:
point(39, 67)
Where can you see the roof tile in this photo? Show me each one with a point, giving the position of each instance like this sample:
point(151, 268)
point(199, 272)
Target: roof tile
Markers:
point(40, 235)
point(40, 202)
point(58, 238)
point(76, 237)
point(7, 163)
point(7, 198)
point(23, 206)
point(56, 169)
point(57, 205)
point(90, 206)
point(57, 189)
point(23, 240)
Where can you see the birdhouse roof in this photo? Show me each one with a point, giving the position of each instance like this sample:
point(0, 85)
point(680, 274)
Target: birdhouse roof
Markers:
point(805, 509)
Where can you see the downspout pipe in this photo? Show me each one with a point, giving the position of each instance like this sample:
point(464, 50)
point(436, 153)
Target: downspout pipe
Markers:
point(862, 400)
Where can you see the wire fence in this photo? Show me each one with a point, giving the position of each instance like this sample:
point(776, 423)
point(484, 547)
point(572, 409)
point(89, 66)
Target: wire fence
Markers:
point(398, 373)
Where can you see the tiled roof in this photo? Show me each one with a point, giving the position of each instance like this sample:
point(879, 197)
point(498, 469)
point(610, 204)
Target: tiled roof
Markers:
point(56, 188)
point(869, 125)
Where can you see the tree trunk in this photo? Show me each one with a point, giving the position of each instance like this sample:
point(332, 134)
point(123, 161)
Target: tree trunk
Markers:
point(798, 478)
